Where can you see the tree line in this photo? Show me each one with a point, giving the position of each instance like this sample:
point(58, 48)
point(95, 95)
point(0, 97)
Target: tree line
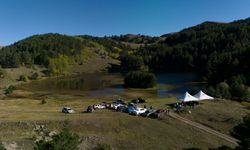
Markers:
point(218, 51)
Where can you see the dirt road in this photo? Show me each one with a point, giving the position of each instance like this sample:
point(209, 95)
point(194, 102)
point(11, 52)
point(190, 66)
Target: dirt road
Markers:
point(204, 128)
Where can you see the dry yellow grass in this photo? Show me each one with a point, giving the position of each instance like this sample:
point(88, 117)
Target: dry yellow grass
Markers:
point(21, 111)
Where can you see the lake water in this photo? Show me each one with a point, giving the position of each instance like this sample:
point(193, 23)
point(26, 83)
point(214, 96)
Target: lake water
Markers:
point(105, 84)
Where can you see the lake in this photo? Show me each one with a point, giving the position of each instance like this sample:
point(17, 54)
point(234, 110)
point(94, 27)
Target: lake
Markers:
point(107, 84)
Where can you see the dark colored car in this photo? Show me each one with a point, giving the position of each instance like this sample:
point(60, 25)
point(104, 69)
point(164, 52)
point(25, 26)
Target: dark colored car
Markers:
point(157, 114)
point(67, 110)
point(120, 101)
point(148, 113)
point(138, 100)
point(122, 108)
point(90, 109)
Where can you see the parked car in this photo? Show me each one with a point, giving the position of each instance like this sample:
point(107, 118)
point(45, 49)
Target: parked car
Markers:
point(122, 108)
point(120, 101)
point(157, 113)
point(130, 109)
point(67, 110)
point(116, 105)
point(107, 105)
point(148, 112)
point(90, 109)
point(138, 100)
point(99, 106)
point(139, 111)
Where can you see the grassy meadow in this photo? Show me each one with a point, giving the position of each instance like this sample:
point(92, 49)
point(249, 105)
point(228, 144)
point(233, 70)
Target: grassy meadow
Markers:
point(22, 110)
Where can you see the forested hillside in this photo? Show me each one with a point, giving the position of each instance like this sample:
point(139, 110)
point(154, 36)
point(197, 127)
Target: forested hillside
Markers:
point(39, 49)
point(218, 51)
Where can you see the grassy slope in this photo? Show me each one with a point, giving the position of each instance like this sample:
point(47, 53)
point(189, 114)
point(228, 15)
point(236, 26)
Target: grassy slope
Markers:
point(22, 111)
point(12, 74)
point(221, 115)
point(93, 64)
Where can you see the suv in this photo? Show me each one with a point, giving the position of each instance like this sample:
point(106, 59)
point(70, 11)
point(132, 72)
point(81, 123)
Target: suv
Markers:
point(139, 111)
point(67, 110)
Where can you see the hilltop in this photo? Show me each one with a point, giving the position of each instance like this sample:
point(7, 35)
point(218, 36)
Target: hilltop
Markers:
point(218, 51)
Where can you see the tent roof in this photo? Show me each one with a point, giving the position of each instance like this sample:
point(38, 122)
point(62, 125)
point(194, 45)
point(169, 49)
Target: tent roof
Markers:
point(202, 96)
point(187, 98)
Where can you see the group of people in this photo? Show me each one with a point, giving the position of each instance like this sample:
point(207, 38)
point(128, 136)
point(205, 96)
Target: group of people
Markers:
point(179, 106)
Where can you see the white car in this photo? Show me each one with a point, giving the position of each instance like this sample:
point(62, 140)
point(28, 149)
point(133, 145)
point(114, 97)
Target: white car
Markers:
point(116, 105)
point(67, 110)
point(98, 106)
point(139, 111)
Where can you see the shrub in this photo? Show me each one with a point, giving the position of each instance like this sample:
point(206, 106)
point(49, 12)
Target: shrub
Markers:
point(23, 78)
point(138, 79)
point(34, 76)
point(43, 101)
point(103, 147)
point(2, 146)
point(1, 73)
point(10, 89)
point(65, 140)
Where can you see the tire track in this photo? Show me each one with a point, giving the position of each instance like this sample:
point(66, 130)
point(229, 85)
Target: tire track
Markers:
point(205, 128)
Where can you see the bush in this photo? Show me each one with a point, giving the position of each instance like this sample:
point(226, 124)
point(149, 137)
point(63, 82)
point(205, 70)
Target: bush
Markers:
point(1, 73)
point(62, 141)
point(10, 89)
point(2, 146)
point(34, 76)
point(43, 101)
point(23, 78)
point(138, 79)
point(103, 147)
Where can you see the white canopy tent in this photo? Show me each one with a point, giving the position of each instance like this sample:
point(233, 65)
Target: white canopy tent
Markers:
point(202, 96)
point(188, 98)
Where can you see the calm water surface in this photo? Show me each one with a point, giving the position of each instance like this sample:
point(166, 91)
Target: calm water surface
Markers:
point(99, 84)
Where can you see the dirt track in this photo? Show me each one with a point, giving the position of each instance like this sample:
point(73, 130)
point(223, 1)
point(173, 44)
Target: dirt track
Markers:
point(204, 128)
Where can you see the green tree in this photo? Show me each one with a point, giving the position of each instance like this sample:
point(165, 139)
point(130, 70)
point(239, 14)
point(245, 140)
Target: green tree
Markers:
point(2, 72)
point(104, 147)
point(65, 140)
point(138, 79)
point(131, 62)
point(241, 132)
point(2, 146)
point(9, 90)
point(59, 65)
point(34, 76)
point(23, 78)
point(223, 90)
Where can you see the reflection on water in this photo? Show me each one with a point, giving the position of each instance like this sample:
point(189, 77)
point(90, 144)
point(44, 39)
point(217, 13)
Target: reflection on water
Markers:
point(99, 84)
